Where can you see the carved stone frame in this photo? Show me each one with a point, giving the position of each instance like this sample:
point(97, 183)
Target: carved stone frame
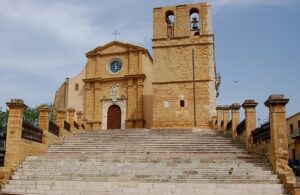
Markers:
point(106, 103)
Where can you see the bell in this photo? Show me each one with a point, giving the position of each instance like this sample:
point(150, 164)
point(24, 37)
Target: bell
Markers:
point(195, 23)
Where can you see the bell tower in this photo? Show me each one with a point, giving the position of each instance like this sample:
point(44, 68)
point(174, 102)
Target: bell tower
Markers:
point(184, 76)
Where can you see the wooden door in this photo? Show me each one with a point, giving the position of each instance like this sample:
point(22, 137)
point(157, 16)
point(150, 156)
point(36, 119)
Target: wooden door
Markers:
point(114, 117)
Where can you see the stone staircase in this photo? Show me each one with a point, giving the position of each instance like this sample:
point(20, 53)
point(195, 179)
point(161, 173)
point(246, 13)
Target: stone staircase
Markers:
point(143, 161)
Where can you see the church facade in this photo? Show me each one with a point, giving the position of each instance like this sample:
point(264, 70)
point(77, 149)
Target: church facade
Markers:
point(122, 87)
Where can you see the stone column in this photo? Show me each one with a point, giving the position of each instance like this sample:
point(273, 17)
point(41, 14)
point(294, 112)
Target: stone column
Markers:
point(250, 120)
point(14, 133)
point(279, 139)
point(44, 111)
point(226, 117)
point(219, 116)
point(60, 118)
point(235, 117)
point(79, 118)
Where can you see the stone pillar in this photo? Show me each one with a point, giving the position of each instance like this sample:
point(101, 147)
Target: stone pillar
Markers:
point(235, 117)
point(219, 116)
point(250, 120)
point(44, 111)
point(71, 114)
point(79, 118)
point(226, 117)
point(60, 118)
point(279, 137)
point(14, 133)
point(214, 122)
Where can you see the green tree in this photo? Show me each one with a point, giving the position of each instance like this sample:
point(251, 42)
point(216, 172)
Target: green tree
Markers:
point(31, 115)
point(3, 122)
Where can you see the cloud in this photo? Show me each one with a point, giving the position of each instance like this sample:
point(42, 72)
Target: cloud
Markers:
point(67, 22)
point(251, 2)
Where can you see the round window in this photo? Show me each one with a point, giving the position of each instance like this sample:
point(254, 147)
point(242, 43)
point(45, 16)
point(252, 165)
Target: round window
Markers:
point(115, 66)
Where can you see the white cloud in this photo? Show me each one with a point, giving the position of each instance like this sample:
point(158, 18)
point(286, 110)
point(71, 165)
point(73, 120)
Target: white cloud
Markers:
point(67, 22)
point(251, 2)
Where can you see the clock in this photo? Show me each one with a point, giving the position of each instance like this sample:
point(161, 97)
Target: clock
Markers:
point(115, 66)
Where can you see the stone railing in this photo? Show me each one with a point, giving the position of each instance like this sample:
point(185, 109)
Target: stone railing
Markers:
point(24, 139)
point(270, 139)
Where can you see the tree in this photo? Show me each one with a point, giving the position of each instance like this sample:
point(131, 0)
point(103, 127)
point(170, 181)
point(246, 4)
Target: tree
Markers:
point(3, 122)
point(31, 115)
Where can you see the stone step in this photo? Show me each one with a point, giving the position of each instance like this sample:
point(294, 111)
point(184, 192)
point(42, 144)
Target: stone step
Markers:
point(86, 188)
point(143, 161)
point(153, 178)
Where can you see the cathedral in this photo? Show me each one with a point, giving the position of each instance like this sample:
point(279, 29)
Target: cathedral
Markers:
point(123, 86)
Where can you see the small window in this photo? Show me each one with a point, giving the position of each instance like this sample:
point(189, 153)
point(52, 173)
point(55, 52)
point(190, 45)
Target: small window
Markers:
point(291, 127)
point(182, 103)
point(76, 87)
point(298, 124)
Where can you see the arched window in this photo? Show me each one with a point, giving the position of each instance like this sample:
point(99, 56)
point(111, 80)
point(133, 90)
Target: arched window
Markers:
point(170, 18)
point(195, 21)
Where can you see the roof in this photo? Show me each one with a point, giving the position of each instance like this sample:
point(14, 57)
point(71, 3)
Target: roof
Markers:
point(294, 115)
point(100, 48)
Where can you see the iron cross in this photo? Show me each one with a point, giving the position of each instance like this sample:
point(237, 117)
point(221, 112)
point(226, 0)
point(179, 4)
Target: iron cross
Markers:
point(116, 33)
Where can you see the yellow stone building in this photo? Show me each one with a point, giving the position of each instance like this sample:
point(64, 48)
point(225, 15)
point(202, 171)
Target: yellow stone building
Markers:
point(184, 75)
point(114, 90)
point(121, 87)
point(293, 127)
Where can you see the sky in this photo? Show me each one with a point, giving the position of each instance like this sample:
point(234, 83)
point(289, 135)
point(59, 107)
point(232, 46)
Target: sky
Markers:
point(42, 42)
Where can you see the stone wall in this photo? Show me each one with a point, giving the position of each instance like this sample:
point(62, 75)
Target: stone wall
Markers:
point(61, 96)
point(275, 145)
point(184, 69)
point(18, 148)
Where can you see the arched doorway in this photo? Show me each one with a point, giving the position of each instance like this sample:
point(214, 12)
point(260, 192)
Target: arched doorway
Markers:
point(114, 117)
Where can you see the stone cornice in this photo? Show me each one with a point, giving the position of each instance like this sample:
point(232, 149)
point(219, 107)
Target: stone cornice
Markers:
point(182, 37)
point(126, 77)
point(16, 103)
point(174, 82)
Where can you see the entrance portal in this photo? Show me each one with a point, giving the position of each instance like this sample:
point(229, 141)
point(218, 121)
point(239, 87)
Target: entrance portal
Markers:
point(114, 117)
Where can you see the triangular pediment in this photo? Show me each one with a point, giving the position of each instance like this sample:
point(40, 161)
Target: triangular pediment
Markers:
point(114, 47)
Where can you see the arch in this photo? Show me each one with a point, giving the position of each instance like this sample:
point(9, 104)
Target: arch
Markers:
point(195, 20)
point(106, 104)
point(170, 19)
point(170, 16)
point(114, 117)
